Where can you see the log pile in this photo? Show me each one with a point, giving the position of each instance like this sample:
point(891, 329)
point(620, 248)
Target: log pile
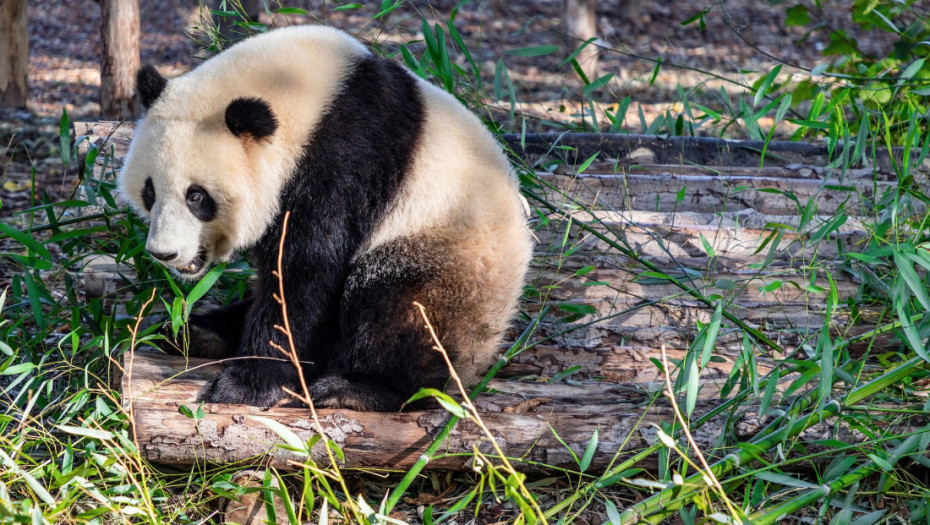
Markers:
point(699, 210)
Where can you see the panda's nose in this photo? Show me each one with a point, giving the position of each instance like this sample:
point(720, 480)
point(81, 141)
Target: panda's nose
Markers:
point(163, 256)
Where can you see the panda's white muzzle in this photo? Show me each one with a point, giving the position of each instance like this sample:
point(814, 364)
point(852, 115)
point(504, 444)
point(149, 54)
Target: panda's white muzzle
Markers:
point(175, 239)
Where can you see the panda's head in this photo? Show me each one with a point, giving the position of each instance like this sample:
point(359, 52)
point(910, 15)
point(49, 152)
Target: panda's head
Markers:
point(218, 144)
point(193, 173)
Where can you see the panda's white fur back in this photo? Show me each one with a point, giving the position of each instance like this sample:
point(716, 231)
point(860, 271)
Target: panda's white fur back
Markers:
point(460, 182)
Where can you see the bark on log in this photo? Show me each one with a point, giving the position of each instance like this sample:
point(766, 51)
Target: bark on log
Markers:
point(120, 60)
point(537, 425)
point(14, 54)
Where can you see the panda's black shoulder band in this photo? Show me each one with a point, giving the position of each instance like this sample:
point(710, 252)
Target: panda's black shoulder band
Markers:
point(149, 84)
point(250, 116)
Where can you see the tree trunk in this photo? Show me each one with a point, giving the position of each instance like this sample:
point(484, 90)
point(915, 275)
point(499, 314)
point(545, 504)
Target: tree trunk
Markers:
point(14, 54)
point(580, 24)
point(120, 61)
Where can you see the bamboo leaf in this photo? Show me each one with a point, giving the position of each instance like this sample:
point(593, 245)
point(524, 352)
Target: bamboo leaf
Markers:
point(766, 83)
point(564, 373)
point(86, 432)
point(64, 137)
point(204, 285)
point(597, 84)
point(444, 400)
point(577, 50)
point(585, 164)
point(564, 444)
point(907, 272)
point(882, 464)
point(783, 480)
point(870, 518)
point(694, 385)
point(303, 12)
point(584, 270)
point(911, 337)
point(708, 248)
point(292, 440)
point(655, 71)
point(710, 337)
point(26, 240)
point(589, 452)
point(912, 69)
point(612, 513)
point(533, 51)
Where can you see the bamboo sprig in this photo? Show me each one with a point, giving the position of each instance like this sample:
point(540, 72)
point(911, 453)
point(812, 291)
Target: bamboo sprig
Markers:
point(800, 404)
point(775, 513)
point(789, 429)
point(709, 474)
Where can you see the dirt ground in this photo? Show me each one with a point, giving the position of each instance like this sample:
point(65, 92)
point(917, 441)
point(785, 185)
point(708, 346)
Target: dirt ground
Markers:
point(741, 39)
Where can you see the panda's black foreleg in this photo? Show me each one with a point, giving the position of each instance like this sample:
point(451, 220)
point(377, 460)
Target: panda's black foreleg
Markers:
point(388, 353)
point(259, 371)
point(214, 331)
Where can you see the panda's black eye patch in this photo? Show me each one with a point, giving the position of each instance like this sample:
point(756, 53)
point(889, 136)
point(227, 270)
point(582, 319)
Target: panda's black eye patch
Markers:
point(148, 194)
point(200, 203)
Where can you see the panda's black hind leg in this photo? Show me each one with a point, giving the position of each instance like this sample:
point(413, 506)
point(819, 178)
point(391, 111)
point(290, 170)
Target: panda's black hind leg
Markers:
point(387, 353)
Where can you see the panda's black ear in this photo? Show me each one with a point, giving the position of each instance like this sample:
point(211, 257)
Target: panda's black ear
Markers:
point(250, 116)
point(150, 84)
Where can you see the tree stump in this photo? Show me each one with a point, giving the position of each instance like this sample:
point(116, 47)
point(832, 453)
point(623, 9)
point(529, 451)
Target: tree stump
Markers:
point(14, 54)
point(120, 60)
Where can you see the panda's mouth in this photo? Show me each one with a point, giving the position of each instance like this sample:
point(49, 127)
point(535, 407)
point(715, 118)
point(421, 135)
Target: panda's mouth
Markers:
point(196, 265)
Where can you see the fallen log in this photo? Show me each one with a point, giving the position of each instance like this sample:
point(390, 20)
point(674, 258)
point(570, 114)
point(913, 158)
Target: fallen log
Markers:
point(539, 426)
point(528, 421)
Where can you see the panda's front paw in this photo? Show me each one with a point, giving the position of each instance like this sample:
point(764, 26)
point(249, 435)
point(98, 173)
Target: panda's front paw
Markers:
point(198, 338)
point(250, 385)
point(203, 342)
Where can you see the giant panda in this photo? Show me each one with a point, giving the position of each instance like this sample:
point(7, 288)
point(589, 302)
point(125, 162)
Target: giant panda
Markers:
point(396, 194)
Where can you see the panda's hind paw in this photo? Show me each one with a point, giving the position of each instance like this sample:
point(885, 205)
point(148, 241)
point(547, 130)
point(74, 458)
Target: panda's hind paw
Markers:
point(247, 386)
point(335, 391)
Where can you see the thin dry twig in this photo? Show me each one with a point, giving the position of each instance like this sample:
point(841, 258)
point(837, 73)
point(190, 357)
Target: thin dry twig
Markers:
point(708, 473)
point(291, 353)
point(127, 371)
